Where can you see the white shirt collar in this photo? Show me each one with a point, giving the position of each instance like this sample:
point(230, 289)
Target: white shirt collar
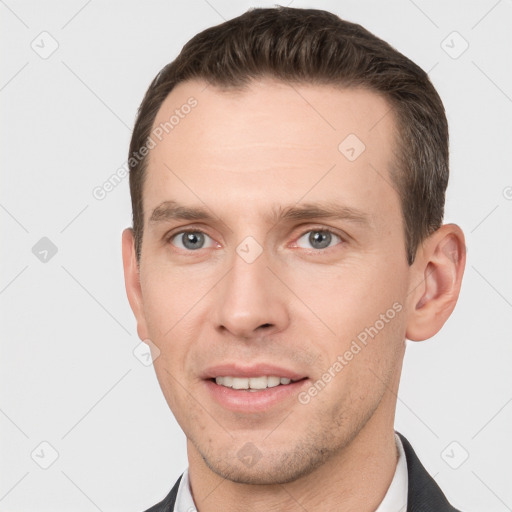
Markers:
point(395, 499)
point(184, 501)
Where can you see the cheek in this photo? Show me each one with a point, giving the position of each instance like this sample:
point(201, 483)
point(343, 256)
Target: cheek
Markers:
point(348, 298)
point(361, 332)
point(169, 296)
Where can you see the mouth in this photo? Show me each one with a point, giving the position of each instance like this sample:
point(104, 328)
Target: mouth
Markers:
point(252, 389)
point(253, 384)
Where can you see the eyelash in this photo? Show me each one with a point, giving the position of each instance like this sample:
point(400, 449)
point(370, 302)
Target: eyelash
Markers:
point(317, 229)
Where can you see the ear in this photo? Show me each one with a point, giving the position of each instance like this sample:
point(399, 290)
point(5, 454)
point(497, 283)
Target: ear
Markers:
point(439, 266)
point(132, 282)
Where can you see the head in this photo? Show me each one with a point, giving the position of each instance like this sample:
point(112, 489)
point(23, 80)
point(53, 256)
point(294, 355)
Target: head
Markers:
point(308, 160)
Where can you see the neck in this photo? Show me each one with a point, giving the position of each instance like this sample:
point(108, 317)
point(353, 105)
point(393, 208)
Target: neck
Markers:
point(355, 479)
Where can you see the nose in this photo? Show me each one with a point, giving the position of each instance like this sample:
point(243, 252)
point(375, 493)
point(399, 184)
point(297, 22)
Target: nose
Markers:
point(251, 300)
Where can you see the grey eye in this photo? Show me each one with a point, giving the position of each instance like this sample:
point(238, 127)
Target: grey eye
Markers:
point(318, 238)
point(190, 240)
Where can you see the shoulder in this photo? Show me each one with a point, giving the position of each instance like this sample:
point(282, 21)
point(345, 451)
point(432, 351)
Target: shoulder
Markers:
point(423, 492)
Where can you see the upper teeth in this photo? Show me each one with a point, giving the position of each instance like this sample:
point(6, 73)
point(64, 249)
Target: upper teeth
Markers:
point(251, 382)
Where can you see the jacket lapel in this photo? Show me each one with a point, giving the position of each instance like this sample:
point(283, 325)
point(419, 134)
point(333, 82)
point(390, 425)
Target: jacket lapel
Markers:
point(424, 495)
point(167, 504)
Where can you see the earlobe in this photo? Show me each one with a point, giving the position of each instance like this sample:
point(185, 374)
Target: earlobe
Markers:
point(441, 267)
point(132, 282)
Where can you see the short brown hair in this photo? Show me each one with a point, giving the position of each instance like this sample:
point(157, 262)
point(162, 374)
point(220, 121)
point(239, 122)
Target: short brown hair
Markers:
point(312, 46)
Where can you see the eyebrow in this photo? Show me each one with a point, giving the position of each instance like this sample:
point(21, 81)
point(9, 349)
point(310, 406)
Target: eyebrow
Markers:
point(172, 210)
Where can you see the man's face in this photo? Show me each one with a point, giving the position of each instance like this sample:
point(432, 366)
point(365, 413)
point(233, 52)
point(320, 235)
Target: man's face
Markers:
point(253, 292)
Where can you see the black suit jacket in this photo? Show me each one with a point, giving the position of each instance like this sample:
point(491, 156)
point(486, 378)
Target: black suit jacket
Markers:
point(424, 494)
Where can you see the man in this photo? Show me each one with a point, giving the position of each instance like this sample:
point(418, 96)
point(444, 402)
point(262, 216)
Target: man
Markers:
point(287, 174)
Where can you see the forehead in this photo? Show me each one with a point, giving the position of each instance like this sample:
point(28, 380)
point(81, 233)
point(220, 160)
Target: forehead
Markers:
point(271, 141)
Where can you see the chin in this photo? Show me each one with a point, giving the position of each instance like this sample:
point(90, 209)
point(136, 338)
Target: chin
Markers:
point(270, 468)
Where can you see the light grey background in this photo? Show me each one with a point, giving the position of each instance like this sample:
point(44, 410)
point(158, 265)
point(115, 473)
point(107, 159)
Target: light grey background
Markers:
point(68, 373)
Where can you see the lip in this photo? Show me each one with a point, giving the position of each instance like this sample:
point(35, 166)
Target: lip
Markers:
point(242, 401)
point(254, 370)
